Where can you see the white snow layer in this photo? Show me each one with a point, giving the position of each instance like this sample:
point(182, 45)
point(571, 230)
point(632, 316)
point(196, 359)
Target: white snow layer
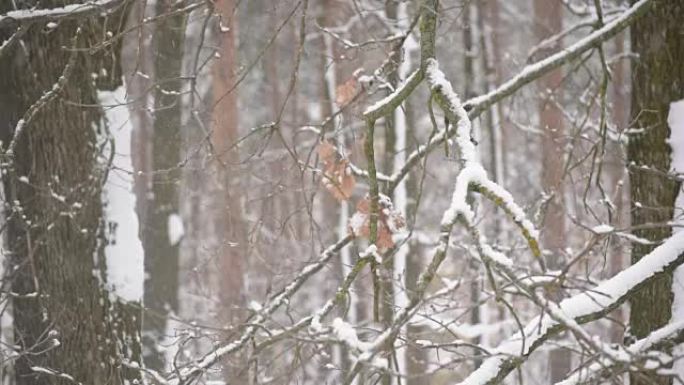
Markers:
point(603, 229)
point(57, 11)
point(175, 228)
point(675, 119)
point(345, 332)
point(124, 253)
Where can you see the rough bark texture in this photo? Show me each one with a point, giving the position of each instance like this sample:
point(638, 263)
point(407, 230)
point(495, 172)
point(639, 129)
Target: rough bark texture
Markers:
point(56, 229)
point(161, 253)
point(657, 80)
point(549, 21)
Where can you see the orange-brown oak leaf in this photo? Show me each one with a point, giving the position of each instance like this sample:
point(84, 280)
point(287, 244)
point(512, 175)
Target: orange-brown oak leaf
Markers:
point(337, 176)
point(345, 92)
point(326, 151)
point(390, 221)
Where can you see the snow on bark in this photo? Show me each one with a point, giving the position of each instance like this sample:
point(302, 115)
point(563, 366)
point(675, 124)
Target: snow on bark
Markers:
point(124, 252)
point(407, 86)
point(473, 173)
point(345, 332)
point(675, 119)
point(175, 228)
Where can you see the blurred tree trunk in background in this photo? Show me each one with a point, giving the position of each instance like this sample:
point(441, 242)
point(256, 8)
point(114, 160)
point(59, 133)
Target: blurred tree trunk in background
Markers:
point(619, 180)
point(404, 265)
point(494, 29)
point(73, 321)
point(548, 21)
point(225, 189)
point(328, 15)
point(657, 80)
point(472, 73)
point(138, 68)
point(162, 218)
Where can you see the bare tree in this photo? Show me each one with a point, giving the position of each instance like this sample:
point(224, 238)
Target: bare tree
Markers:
point(268, 142)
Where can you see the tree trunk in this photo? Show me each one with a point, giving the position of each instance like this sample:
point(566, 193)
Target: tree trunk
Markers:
point(657, 80)
point(162, 218)
point(549, 21)
point(618, 178)
point(225, 187)
point(56, 227)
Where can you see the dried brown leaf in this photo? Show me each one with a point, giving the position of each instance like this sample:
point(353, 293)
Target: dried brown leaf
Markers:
point(326, 151)
point(345, 92)
point(390, 221)
point(337, 176)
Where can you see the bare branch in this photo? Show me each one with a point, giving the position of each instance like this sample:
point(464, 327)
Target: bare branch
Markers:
point(476, 105)
point(275, 302)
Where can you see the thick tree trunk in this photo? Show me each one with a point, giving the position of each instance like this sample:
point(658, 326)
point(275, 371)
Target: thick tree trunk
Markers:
point(56, 228)
point(657, 80)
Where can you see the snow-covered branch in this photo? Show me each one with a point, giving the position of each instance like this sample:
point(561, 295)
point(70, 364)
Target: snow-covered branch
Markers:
point(640, 355)
point(72, 11)
point(386, 105)
point(584, 307)
point(474, 175)
point(276, 301)
point(477, 105)
point(471, 177)
point(532, 72)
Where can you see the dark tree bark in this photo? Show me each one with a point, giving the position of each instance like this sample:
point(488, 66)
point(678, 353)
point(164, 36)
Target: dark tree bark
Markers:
point(161, 252)
point(56, 229)
point(657, 80)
